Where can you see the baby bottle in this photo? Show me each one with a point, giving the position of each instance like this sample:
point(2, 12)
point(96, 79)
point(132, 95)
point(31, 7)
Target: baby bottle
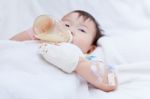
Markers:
point(47, 28)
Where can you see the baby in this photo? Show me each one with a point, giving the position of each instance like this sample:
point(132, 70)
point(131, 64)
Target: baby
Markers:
point(86, 32)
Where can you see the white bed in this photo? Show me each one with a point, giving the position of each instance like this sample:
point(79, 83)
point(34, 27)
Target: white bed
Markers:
point(126, 24)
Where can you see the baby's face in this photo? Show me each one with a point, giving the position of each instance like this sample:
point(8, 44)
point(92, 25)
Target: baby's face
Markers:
point(83, 31)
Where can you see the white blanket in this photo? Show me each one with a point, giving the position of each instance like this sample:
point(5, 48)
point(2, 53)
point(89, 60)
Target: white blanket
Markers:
point(25, 75)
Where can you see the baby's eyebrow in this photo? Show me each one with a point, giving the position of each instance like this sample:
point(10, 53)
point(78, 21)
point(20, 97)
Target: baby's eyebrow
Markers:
point(65, 19)
point(81, 24)
point(84, 26)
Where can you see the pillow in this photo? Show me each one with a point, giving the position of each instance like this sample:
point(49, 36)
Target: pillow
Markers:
point(126, 48)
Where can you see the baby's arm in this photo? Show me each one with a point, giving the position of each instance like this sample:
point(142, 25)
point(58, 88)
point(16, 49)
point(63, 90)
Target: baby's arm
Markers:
point(69, 58)
point(25, 35)
point(87, 70)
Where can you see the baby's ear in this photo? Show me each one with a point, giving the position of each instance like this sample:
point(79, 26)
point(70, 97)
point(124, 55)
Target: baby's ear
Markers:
point(92, 48)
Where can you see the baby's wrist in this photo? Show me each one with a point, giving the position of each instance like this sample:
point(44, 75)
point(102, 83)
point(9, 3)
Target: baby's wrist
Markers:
point(30, 33)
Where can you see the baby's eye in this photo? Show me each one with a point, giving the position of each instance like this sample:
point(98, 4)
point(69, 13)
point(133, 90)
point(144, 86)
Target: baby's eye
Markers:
point(82, 30)
point(67, 25)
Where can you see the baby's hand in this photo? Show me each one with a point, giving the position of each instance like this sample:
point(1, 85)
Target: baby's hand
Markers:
point(64, 55)
point(43, 49)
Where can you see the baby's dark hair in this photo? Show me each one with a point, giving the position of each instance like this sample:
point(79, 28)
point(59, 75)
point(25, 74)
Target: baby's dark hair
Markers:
point(86, 16)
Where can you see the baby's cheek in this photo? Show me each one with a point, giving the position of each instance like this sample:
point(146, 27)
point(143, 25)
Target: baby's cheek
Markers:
point(82, 43)
point(84, 47)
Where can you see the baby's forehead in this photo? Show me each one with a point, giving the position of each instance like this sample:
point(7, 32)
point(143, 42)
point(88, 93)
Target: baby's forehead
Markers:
point(74, 16)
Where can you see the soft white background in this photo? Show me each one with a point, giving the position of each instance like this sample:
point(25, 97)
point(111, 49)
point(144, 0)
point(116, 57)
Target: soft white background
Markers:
point(117, 17)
